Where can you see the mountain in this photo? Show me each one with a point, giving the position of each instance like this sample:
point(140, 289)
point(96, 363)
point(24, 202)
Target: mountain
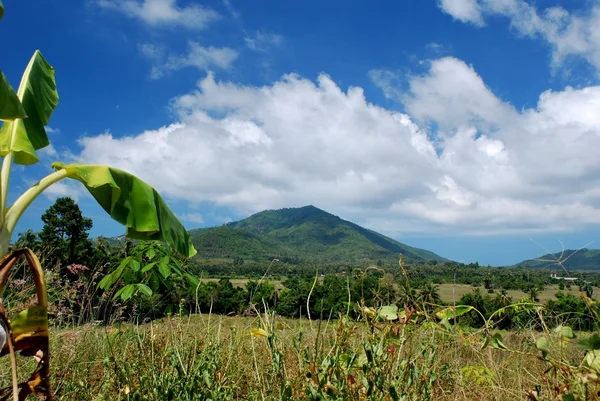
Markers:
point(307, 233)
point(583, 259)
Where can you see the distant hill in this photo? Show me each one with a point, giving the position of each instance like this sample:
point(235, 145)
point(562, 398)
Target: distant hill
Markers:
point(307, 233)
point(584, 259)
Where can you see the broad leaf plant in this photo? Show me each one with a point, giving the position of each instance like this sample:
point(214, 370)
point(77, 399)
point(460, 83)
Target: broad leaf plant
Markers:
point(127, 199)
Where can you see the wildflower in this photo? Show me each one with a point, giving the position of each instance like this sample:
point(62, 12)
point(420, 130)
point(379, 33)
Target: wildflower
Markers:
point(256, 332)
point(76, 268)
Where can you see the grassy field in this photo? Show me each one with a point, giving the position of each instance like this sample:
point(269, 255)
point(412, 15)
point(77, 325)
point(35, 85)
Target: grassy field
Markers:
point(461, 289)
point(218, 358)
point(241, 282)
point(214, 357)
point(446, 290)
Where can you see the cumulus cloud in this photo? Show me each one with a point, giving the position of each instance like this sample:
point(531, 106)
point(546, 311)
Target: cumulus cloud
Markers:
point(163, 12)
point(198, 56)
point(487, 168)
point(64, 188)
point(434, 97)
point(569, 34)
point(463, 10)
point(387, 81)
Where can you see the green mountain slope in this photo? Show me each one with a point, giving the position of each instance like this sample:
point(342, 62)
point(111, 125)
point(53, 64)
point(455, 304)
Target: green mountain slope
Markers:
point(584, 259)
point(227, 242)
point(307, 233)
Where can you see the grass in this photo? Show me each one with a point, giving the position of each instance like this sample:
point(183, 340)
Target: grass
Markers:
point(461, 289)
point(241, 282)
point(445, 290)
point(205, 357)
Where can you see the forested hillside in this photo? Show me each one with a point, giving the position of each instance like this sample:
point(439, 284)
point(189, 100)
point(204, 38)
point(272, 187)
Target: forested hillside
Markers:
point(305, 233)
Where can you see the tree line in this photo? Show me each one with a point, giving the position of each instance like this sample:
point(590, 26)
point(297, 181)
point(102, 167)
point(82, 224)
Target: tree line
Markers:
point(107, 281)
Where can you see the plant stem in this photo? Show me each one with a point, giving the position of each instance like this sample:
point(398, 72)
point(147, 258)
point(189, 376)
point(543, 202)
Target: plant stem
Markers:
point(4, 183)
point(15, 212)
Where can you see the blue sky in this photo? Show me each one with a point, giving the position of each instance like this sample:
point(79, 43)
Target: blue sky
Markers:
point(467, 127)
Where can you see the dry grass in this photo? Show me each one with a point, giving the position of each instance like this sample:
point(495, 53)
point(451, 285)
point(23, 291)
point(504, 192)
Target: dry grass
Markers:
point(241, 282)
point(216, 357)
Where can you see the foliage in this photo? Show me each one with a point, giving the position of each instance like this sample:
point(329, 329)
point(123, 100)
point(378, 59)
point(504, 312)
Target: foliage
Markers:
point(569, 259)
point(65, 232)
point(133, 203)
point(127, 199)
point(150, 269)
point(306, 233)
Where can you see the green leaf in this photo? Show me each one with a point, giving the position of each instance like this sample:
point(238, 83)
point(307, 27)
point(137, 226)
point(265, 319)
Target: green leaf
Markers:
point(565, 331)
point(1, 10)
point(177, 270)
point(590, 343)
point(192, 280)
point(154, 282)
point(148, 267)
point(494, 341)
point(388, 312)
point(133, 203)
point(150, 253)
point(113, 277)
point(592, 360)
point(144, 289)
point(134, 264)
point(542, 345)
point(39, 97)
point(451, 312)
point(10, 105)
point(163, 268)
point(126, 292)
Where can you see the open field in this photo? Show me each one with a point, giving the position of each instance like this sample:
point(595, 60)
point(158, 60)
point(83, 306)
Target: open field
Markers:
point(214, 357)
point(445, 290)
point(461, 289)
point(241, 282)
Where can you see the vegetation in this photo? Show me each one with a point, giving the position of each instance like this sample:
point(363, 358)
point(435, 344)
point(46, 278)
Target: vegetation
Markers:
point(582, 259)
point(25, 114)
point(136, 320)
point(301, 234)
point(363, 336)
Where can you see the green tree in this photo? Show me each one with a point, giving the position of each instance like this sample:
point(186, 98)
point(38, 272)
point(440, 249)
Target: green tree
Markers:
point(29, 239)
point(533, 292)
point(66, 232)
point(429, 294)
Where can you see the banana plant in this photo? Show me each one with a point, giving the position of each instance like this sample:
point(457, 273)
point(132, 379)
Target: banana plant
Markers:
point(127, 199)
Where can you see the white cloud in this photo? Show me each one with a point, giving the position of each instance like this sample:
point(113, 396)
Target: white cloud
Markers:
point(48, 151)
point(231, 9)
point(463, 10)
point(434, 97)
point(198, 56)
point(387, 81)
point(193, 218)
point(298, 142)
point(163, 12)
point(263, 41)
point(64, 188)
point(51, 130)
point(569, 34)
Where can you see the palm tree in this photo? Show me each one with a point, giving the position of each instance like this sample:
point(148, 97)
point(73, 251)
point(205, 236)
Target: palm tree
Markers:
point(429, 294)
point(533, 293)
point(506, 300)
point(406, 295)
point(28, 239)
point(102, 246)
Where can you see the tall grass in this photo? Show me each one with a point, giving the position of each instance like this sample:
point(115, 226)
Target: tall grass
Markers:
point(204, 357)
